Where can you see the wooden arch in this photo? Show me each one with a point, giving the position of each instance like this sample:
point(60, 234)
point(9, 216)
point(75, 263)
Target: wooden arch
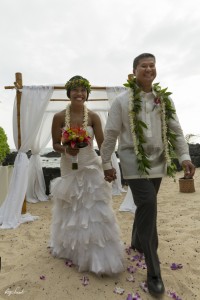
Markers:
point(18, 85)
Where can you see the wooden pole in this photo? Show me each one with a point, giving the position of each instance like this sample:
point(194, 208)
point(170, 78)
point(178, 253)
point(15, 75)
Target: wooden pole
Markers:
point(18, 84)
point(97, 88)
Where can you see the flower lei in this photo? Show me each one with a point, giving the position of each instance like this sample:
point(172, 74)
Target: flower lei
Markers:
point(137, 126)
point(85, 117)
point(72, 84)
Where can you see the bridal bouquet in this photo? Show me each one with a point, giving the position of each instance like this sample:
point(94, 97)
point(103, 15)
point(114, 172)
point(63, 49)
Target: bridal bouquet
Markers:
point(75, 138)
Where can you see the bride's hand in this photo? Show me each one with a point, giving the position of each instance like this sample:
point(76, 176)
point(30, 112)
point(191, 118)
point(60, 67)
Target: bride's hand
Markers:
point(71, 151)
point(110, 175)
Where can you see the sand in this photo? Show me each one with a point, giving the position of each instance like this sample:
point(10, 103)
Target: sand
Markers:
point(28, 271)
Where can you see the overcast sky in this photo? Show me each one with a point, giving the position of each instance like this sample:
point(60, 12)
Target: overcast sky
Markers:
point(50, 41)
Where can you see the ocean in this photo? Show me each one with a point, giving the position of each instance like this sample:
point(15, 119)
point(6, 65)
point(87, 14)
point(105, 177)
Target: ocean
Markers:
point(54, 162)
point(49, 162)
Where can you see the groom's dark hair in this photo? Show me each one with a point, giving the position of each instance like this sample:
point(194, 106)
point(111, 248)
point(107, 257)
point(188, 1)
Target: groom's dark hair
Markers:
point(143, 55)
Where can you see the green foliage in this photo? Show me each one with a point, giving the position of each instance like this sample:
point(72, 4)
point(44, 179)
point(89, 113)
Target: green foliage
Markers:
point(4, 147)
point(138, 127)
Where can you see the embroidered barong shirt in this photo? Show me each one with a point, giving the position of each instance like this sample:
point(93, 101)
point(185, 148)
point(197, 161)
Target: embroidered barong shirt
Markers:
point(118, 129)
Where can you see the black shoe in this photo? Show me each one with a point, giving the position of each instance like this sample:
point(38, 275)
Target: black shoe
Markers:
point(155, 285)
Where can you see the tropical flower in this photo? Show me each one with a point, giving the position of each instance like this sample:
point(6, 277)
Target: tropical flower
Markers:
point(76, 137)
point(137, 126)
point(157, 102)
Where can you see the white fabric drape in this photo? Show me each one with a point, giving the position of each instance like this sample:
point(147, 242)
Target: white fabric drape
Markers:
point(128, 203)
point(33, 105)
point(36, 190)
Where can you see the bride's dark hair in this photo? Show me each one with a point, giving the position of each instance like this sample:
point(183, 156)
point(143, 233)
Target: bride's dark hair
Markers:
point(76, 81)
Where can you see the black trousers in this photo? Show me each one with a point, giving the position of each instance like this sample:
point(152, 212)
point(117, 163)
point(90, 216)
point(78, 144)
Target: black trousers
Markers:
point(144, 233)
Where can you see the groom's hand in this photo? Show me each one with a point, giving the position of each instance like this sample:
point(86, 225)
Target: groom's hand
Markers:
point(110, 175)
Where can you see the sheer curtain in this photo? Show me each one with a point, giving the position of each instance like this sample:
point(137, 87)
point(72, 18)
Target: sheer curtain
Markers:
point(36, 189)
point(33, 105)
point(128, 203)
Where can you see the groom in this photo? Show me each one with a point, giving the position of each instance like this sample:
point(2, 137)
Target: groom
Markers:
point(143, 118)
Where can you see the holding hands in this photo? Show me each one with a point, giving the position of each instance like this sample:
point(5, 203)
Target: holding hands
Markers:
point(110, 175)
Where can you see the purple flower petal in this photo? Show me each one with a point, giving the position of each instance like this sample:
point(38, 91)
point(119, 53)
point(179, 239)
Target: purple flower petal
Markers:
point(69, 263)
point(130, 278)
point(128, 250)
point(118, 290)
point(175, 266)
point(144, 287)
point(85, 280)
point(141, 265)
point(136, 296)
point(137, 257)
point(132, 269)
point(173, 295)
point(129, 297)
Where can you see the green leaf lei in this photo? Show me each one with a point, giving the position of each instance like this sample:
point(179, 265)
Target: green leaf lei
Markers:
point(72, 84)
point(137, 126)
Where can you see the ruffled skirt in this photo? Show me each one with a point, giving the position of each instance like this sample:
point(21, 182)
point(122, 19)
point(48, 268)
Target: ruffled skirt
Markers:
point(84, 227)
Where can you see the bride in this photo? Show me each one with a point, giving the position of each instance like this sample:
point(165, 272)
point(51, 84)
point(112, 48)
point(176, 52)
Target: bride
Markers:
point(84, 228)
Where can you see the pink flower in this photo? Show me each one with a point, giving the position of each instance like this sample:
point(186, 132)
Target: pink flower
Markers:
point(75, 137)
point(157, 101)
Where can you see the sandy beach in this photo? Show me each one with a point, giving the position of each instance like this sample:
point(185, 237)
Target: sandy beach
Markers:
point(29, 272)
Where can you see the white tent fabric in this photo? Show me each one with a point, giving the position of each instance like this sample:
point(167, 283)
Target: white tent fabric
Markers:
point(27, 178)
point(33, 105)
point(128, 203)
point(36, 184)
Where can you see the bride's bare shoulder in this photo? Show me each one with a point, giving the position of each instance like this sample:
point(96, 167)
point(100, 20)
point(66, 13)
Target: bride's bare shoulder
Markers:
point(60, 114)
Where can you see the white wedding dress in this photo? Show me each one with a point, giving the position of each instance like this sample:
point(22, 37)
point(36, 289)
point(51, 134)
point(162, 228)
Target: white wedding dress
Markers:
point(84, 228)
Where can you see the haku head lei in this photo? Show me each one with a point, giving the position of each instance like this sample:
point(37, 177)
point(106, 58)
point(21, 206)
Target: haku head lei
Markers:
point(75, 82)
point(137, 126)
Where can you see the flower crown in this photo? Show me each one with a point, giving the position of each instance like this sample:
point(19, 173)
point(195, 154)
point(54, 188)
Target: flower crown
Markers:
point(74, 83)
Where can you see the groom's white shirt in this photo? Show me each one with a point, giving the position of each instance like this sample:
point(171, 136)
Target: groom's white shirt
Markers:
point(118, 128)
